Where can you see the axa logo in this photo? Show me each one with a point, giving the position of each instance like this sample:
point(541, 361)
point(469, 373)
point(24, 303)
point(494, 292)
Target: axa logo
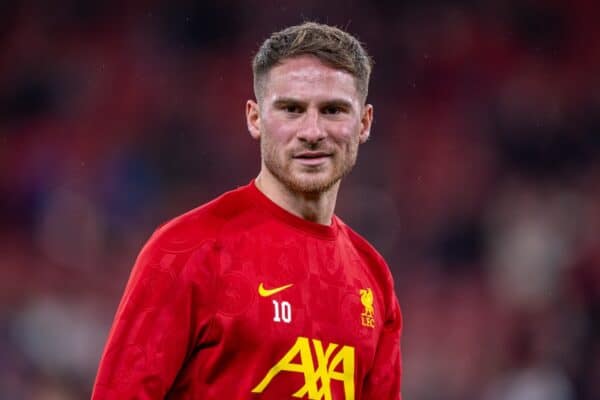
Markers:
point(334, 363)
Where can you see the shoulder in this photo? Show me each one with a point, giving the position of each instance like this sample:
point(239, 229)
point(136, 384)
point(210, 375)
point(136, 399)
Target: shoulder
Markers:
point(362, 246)
point(202, 224)
point(378, 266)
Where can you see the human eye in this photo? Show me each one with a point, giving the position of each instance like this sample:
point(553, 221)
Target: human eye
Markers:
point(289, 106)
point(292, 108)
point(332, 110)
point(335, 108)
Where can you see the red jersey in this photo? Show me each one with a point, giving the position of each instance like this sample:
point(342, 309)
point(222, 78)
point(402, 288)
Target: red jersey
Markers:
point(239, 299)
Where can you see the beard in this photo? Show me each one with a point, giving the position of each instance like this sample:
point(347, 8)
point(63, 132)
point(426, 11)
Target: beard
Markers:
point(308, 180)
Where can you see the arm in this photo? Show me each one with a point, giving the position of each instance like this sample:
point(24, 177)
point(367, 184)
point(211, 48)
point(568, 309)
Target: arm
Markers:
point(155, 328)
point(383, 381)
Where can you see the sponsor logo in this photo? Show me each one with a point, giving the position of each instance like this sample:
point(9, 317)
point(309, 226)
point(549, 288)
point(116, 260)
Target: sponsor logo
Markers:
point(334, 363)
point(270, 292)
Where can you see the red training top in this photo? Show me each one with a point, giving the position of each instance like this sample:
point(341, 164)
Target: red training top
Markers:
point(239, 299)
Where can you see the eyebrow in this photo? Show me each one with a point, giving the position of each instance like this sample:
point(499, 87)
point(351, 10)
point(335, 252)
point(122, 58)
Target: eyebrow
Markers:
point(283, 101)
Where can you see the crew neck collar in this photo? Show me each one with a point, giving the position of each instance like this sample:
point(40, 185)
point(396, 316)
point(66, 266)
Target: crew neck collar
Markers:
point(323, 231)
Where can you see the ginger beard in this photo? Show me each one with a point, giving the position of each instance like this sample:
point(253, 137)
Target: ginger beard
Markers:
point(308, 179)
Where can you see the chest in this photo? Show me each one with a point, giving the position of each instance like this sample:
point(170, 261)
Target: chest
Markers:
point(280, 294)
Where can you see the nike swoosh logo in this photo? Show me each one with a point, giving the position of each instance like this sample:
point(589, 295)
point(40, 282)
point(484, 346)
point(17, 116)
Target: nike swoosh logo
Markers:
point(270, 292)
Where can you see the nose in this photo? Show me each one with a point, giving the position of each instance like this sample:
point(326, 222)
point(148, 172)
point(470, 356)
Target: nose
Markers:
point(311, 129)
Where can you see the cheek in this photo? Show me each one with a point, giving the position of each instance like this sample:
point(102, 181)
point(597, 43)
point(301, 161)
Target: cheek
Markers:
point(274, 141)
point(345, 135)
point(277, 130)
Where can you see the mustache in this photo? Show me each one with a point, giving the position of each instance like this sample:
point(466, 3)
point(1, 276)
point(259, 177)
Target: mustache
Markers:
point(313, 148)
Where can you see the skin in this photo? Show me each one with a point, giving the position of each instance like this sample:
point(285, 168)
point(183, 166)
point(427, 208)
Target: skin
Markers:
point(310, 120)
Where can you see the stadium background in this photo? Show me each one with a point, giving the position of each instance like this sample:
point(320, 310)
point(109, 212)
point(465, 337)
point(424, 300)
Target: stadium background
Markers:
point(480, 184)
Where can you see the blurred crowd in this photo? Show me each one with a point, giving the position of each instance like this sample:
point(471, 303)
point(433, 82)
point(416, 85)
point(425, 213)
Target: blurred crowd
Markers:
point(480, 184)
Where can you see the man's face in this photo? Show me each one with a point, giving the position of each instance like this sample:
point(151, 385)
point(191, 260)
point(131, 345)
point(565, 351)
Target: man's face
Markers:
point(310, 121)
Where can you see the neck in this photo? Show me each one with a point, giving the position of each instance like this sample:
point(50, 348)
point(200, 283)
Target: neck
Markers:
point(314, 207)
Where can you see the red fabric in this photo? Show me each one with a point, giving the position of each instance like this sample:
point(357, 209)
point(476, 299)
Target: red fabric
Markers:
point(192, 324)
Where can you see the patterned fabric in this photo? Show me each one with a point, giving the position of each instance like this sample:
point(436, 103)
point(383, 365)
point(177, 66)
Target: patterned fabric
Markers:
point(239, 299)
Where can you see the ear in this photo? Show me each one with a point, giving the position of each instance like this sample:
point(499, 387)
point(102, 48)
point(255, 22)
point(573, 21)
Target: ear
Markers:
point(253, 119)
point(366, 121)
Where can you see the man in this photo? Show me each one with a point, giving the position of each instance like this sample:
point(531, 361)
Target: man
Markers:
point(264, 292)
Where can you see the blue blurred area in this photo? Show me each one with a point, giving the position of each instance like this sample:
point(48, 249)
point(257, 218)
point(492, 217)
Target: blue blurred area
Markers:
point(480, 184)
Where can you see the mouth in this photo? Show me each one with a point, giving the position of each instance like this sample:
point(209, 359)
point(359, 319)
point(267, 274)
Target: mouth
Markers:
point(312, 157)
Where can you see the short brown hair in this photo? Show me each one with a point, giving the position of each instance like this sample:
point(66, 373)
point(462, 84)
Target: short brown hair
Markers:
point(329, 44)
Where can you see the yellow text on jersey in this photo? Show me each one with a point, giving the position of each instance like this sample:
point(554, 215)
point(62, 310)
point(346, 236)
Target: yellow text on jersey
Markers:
point(324, 371)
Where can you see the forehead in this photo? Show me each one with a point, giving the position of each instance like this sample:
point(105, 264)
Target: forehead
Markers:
point(307, 76)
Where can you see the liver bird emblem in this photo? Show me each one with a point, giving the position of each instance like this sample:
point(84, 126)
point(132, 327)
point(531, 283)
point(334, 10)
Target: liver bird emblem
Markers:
point(368, 315)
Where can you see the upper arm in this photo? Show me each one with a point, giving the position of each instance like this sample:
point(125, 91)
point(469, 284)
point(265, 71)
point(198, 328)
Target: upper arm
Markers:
point(384, 379)
point(154, 329)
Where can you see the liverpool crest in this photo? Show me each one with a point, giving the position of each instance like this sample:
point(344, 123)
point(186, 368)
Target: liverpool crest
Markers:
point(368, 315)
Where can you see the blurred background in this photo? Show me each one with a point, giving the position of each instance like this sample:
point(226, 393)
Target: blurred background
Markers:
point(480, 184)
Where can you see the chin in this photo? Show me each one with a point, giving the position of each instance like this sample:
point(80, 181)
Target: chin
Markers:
point(302, 181)
point(308, 184)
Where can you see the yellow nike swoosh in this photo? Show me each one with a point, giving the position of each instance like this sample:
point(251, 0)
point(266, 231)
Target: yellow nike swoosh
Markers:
point(270, 292)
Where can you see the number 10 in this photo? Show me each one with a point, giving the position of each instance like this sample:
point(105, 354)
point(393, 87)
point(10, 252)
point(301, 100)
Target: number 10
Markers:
point(284, 309)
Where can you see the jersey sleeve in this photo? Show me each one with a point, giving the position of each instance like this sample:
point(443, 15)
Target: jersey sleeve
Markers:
point(384, 379)
point(155, 329)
